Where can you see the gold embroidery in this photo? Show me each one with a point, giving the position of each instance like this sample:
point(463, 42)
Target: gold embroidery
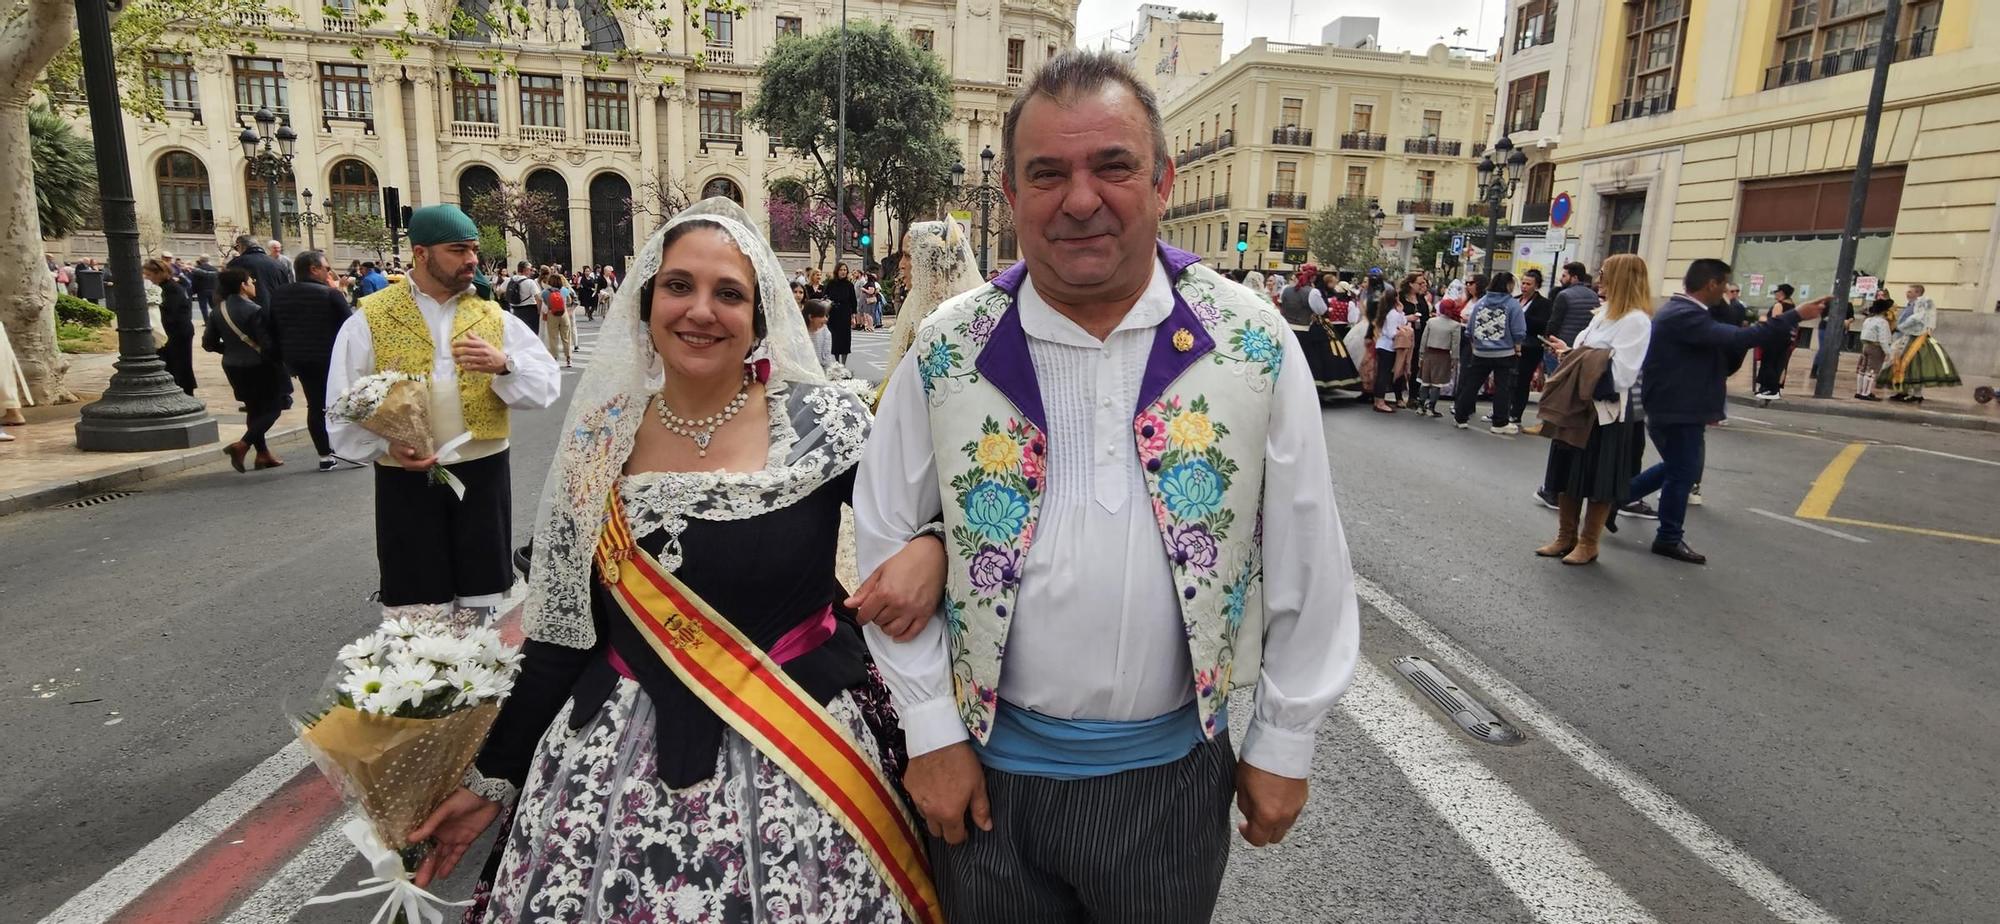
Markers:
point(402, 343)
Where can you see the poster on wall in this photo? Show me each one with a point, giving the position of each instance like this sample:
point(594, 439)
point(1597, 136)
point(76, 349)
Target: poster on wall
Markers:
point(1865, 286)
point(1753, 284)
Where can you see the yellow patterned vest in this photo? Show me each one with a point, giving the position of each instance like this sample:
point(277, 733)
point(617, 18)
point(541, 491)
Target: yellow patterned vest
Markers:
point(403, 343)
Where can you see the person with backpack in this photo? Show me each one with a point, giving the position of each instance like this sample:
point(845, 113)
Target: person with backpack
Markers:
point(523, 296)
point(558, 327)
point(1497, 327)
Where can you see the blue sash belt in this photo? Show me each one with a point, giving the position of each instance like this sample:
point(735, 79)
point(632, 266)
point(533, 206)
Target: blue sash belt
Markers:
point(1032, 744)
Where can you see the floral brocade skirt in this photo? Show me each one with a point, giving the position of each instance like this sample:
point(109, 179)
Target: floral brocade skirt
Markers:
point(599, 837)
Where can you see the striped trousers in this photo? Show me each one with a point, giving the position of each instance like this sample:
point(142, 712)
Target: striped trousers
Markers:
point(1140, 847)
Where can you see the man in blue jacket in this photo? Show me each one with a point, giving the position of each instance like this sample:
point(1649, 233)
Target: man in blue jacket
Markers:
point(1682, 382)
point(1497, 328)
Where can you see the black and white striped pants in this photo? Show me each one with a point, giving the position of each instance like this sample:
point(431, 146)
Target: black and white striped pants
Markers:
point(1140, 847)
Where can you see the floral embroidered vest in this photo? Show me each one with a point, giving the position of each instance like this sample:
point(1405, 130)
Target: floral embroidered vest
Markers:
point(1199, 426)
point(403, 344)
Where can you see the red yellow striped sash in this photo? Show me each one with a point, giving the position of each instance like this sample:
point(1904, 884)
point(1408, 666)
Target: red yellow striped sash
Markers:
point(748, 690)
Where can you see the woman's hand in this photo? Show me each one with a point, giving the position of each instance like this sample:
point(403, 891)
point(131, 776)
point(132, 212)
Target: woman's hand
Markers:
point(1555, 345)
point(904, 592)
point(455, 825)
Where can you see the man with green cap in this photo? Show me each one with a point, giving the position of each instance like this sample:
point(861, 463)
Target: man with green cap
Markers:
point(430, 545)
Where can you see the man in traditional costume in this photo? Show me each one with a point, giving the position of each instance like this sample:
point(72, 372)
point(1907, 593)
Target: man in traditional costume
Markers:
point(431, 545)
point(1104, 436)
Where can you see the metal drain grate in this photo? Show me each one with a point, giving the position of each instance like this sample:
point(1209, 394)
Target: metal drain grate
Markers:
point(1469, 713)
point(94, 501)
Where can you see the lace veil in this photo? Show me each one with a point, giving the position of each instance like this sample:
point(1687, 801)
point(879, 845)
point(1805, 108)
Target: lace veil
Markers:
point(605, 411)
point(942, 265)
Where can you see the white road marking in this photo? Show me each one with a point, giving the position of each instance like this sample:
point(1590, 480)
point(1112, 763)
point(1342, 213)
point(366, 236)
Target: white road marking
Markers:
point(1803, 524)
point(281, 896)
point(1761, 423)
point(1934, 452)
point(125, 882)
point(1730, 861)
point(1534, 860)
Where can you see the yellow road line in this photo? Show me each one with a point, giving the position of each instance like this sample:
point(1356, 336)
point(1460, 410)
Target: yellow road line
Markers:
point(1918, 530)
point(1819, 501)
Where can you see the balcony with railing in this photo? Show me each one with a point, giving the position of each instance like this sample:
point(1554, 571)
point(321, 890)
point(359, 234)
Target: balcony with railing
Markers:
point(1198, 207)
point(606, 138)
point(1355, 201)
point(1292, 136)
point(543, 134)
point(1643, 106)
point(1285, 200)
point(1221, 142)
point(475, 131)
point(1364, 141)
point(1833, 64)
point(720, 53)
point(345, 23)
point(1014, 78)
point(1476, 209)
point(1478, 148)
point(1433, 147)
point(1432, 207)
point(1535, 213)
point(721, 139)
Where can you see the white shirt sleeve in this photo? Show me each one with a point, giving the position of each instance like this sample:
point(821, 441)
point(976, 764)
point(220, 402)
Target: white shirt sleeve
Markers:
point(895, 493)
point(1317, 301)
point(353, 358)
point(1629, 342)
point(1312, 622)
point(536, 381)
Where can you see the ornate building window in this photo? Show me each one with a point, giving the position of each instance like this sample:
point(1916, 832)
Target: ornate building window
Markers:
point(185, 204)
point(260, 84)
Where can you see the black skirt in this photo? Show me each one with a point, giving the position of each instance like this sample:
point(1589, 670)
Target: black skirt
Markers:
point(1603, 469)
point(261, 388)
point(1326, 358)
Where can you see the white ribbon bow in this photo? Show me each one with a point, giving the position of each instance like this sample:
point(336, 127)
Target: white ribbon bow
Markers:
point(416, 904)
point(446, 454)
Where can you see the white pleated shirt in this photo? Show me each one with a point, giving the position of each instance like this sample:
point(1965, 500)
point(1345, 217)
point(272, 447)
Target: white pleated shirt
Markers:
point(1097, 628)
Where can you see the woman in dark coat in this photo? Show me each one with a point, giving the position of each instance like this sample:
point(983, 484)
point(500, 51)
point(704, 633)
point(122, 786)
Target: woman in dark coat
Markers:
point(177, 317)
point(241, 332)
point(840, 291)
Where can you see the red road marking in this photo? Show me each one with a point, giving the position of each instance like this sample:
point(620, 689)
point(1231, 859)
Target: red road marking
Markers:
point(236, 862)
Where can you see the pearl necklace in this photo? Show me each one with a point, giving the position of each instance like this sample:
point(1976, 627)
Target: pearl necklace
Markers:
point(703, 430)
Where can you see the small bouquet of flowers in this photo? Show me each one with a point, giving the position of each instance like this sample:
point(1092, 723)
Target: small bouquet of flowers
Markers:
point(397, 407)
point(401, 717)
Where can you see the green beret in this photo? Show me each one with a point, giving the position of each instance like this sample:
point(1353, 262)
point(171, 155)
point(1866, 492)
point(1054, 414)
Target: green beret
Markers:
point(441, 224)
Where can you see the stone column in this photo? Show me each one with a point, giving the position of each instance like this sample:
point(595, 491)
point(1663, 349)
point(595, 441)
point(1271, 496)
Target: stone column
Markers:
point(430, 83)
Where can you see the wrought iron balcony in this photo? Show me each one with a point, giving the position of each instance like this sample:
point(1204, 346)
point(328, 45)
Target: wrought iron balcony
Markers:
point(1432, 207)
point(1353, 201)
point(1285, 200)
point(1292, 136)
point(1833, 64)
point(1364, 141)
point(1643, 106)
point(1434, 147)
point(1221, 142)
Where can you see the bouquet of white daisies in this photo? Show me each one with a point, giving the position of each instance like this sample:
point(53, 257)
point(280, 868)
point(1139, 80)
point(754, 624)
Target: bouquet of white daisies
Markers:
point(397, 407)
point(405, 712)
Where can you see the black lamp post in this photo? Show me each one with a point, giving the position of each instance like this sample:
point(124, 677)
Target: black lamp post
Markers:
point(311, 219)
point(142, 409)
point(983, 195)
point(1497, 181)
point(270, 156)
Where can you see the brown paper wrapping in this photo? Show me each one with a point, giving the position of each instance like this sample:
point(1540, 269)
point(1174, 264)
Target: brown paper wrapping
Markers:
point(398, 770)
point(404, 416)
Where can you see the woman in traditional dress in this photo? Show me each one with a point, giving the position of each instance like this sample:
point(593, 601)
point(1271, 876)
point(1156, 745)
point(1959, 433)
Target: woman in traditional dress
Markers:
point(680, 631)
point(1305, 311)
point(938, 264)
point(1920, 358)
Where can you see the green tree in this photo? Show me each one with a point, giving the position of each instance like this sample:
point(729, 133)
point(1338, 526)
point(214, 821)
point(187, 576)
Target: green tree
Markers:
point(365, 230)
point(898, 103)
point(1424, 251)
point(492, 244)
point(65, 174)
point(515, 210)
point(1343, 237)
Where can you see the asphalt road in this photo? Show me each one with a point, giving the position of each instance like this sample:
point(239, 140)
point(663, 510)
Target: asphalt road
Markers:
point(1822, 703)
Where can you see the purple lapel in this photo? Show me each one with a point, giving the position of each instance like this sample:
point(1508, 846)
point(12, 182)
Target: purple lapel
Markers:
point(1165, 363)
point(1005, 361)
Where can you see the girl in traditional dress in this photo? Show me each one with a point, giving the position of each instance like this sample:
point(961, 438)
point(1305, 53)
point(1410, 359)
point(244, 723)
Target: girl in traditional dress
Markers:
point(938, 263)
point(1920, 359)
point(687, 531)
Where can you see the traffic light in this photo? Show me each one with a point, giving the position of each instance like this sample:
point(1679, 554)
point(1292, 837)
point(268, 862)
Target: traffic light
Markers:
point(867, 238)
point(1242, 236)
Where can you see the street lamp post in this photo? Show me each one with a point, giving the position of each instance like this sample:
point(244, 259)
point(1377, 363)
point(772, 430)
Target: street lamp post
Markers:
point(270, 156)
point(311, 219)
point(1497, 181)
point(982, 195)
point(142, 409)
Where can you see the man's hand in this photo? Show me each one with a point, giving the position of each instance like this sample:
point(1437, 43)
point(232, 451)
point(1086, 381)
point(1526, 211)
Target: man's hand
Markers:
point(1269, 802)
point(407, 456)
point(946, 784)
point(1814, 308)
point(902, 594)
point(473, 354)
point(455, 824)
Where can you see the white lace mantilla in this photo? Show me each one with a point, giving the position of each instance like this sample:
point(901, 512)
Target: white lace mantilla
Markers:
point(665, 501)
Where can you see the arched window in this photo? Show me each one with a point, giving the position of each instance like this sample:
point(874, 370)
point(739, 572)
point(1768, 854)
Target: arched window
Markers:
point(257, 191)
point(722, 186)
point(610, 224)
point(473, 183)
point(355, 194)
point(550, 243)
point(601, 32)
point(185, 204)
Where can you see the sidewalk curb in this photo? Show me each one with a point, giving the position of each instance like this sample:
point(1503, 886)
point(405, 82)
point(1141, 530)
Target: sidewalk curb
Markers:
point(62, 492)
point(1829, 408)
